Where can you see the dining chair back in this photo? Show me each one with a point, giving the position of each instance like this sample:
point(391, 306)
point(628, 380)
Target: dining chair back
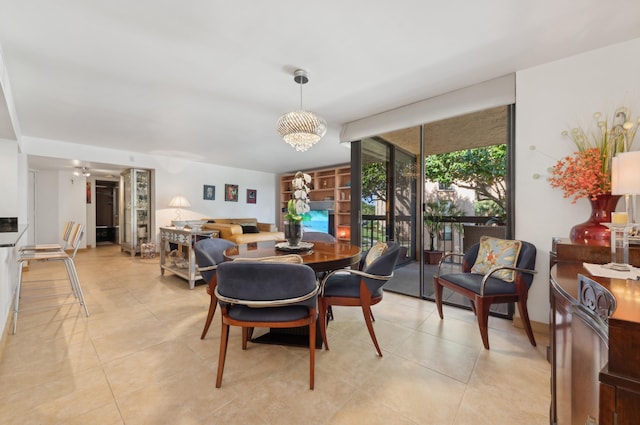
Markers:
point(266, 294)
point(359, 288)
point(209, 254)
point(318, 237)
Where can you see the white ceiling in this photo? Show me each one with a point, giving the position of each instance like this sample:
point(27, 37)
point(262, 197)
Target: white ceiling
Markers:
point(209, 79)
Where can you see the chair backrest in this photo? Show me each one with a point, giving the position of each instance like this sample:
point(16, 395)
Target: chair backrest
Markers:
point(77, 232)
point(210, 252)
point(261, 281)
point(287, 258)
point(382, 266)
point(526, 260)
point(66, 233)
point(318, 237)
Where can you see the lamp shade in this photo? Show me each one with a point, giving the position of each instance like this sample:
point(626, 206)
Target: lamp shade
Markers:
point(625, 173)
point(179, 202)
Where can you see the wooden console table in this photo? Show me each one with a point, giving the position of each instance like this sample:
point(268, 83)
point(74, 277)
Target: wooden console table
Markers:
point(594, 340)
point(185, 239)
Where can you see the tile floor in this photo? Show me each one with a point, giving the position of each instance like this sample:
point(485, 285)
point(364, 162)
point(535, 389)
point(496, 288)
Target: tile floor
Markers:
point(138, 359)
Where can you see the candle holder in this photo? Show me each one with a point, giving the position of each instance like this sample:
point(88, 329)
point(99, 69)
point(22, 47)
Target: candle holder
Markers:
point(619, 246)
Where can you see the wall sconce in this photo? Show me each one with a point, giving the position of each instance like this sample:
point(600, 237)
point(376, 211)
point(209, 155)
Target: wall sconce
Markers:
point(344, 232)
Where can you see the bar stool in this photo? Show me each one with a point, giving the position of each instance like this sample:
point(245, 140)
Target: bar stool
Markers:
point(66, 233)
point(76, 235)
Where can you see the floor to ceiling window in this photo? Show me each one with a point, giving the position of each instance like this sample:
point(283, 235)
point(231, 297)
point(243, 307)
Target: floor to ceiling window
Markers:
point(406, 198)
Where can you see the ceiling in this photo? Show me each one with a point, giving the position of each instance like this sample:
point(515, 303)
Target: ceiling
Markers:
point(207, 80)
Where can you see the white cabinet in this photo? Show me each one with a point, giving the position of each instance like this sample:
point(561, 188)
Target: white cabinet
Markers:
point(136, 224)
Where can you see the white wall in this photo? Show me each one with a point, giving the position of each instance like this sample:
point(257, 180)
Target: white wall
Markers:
point(549, 99)
point(11, 165)
point(172, 176)
point(8, 175)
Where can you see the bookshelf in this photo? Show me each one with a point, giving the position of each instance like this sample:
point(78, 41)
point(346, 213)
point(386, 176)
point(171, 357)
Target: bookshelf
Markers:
point(330, 189)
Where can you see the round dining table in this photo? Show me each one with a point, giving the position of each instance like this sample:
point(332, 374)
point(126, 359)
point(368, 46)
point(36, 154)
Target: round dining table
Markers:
point(322, 257)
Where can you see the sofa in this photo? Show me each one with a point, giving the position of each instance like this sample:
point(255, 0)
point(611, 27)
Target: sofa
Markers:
point(243, 230)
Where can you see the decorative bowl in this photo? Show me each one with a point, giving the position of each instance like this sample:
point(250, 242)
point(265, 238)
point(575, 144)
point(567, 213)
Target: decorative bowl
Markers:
point(196, 224)
point(179, 224)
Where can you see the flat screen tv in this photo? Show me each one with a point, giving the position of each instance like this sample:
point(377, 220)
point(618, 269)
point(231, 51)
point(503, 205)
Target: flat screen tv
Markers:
point(316, 221)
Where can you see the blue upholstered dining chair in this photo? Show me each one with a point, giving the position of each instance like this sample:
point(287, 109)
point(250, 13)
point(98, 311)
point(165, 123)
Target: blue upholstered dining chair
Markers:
point(492, 271)
point(266, 294)
point(318, 237)
point(209, 254)
point(359, 288)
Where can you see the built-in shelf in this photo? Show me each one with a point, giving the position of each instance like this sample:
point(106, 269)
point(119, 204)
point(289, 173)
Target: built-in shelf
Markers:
point(330, 189)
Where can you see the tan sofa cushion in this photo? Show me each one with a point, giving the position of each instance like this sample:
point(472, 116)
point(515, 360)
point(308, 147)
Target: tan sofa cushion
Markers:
point(231, 230)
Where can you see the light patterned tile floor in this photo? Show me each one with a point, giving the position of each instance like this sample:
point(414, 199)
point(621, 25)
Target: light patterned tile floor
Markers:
point(138, 359)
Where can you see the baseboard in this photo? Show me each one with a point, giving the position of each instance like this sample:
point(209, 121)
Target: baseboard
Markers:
point(6, 332)
point(536, 327)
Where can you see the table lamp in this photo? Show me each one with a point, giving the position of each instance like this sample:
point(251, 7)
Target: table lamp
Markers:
point(625, 180)
point(179, 202)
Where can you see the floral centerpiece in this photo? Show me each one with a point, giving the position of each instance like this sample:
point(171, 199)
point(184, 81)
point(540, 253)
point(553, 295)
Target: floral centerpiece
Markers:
point(587, 172)
point(297, 206)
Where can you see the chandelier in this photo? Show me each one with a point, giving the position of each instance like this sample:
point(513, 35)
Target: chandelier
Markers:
point(84, 171)
point(301, 129)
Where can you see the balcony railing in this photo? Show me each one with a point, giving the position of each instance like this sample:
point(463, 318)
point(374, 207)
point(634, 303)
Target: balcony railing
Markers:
point(375, 228)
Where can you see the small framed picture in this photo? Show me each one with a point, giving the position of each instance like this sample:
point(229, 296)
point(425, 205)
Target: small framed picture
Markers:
point(209, 193)
point(231, 192)
point(251, 196)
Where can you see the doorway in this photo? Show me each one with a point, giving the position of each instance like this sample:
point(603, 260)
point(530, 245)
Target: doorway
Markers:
point(107, 210)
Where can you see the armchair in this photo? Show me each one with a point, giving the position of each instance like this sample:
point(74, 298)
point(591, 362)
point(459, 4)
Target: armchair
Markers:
point(209, 254)
point(359, 288)
point(266, 294)
point(506, 277)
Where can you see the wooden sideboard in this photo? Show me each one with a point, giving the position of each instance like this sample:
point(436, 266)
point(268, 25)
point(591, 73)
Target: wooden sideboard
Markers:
point(594, 340)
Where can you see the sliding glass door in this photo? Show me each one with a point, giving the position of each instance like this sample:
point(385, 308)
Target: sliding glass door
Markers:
point(435, 189)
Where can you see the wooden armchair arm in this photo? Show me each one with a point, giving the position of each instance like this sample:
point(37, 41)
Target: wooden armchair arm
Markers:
point(207, 268)
point(495, 269)
point(444, 257)
point(352, 271)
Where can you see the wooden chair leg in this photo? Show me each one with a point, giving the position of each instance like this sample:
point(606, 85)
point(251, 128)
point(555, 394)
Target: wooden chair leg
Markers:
point(482, 309)
point(245, 337)
point(312, 349)
point(473, 307)
point(437, 292)
point(366, 310)
point(212, 311)
point(524, 315)
point(224, 339)
point(322, 305)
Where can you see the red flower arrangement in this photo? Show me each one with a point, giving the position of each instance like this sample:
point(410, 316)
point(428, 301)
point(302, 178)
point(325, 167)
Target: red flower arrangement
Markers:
point(582, 175)
point(587, 174)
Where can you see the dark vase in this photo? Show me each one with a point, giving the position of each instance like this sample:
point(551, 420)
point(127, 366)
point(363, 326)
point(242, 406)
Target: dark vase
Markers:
point(293, 232)
point(592, 231)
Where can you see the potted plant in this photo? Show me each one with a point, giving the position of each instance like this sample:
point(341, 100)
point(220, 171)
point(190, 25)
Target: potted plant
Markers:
point(296, 208)
point(434, 213)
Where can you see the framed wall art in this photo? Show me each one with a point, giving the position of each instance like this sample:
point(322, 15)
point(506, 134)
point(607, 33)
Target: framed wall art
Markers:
point(231, 192)
point(209, 193)
point(251, 196)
